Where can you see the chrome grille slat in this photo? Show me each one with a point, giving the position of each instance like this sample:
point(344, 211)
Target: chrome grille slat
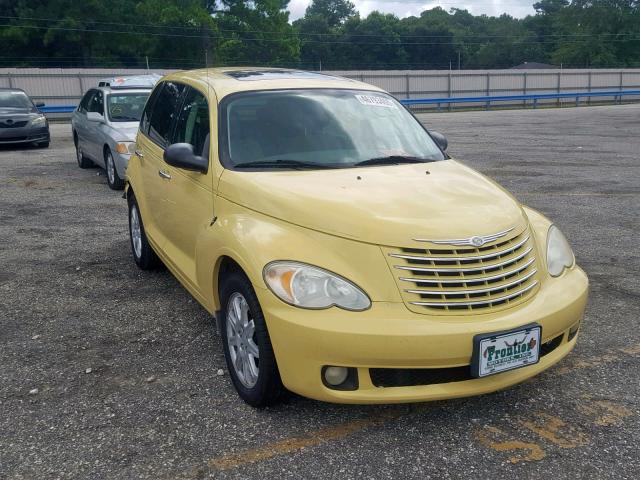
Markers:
point(488, 301)
point(467, 276)
point(469, 279)
point(476, 291)
point(469, 269)
point(466, 241)
point(462, 259)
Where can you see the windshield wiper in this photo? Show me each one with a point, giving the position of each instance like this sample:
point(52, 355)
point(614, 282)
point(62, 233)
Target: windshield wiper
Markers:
point(126, 119)
point(392, 160)
point(295, 164)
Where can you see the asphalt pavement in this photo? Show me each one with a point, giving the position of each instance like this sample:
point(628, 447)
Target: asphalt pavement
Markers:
point(109, 372)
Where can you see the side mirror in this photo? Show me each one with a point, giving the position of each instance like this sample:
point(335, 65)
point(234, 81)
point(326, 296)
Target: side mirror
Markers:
point(440, 139)
point(94, 117)
point(180, 155)
point(39, 104)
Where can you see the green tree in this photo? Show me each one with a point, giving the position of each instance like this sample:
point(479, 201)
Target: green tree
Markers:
point(336, 12)
point(374, 42)
point(256, 32)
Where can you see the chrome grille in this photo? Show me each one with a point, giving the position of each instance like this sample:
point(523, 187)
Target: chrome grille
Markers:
point(19, 124)
point(460, 279)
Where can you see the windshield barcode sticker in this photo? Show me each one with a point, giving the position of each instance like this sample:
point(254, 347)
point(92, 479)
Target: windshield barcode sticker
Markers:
point(375, 101)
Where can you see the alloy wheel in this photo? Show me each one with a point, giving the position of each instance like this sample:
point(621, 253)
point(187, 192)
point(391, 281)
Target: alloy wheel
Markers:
point(110, 169)
point(136, 232)
point(243, 349)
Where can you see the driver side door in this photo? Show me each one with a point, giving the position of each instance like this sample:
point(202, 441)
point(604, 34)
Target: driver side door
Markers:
point(188, 194)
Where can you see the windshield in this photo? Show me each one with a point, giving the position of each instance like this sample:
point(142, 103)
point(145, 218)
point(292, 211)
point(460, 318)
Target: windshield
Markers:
point(15, 100)
point(126, 107)
point(320, 129)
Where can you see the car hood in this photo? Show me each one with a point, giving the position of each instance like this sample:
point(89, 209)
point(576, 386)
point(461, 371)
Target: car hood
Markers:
point(126, 131)
point(387, 205)
point(18, 114)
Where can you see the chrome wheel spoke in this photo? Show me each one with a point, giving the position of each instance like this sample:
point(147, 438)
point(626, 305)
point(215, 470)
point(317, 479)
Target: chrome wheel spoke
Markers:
point(234, 340)
point(250, 370)
point(252, 349)
point(250, 329)
point(239, 364)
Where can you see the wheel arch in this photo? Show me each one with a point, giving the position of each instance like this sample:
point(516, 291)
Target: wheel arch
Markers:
point(224, 265)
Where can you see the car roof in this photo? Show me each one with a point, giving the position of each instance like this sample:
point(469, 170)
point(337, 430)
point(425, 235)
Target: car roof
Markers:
point(118, 91)
point(227, 80)
point(12, 89)
point(130, 82)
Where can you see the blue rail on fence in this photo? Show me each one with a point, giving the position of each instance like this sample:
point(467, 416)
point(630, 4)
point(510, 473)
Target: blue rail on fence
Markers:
point(58, 109)
point(505, 98)
point(449, 100)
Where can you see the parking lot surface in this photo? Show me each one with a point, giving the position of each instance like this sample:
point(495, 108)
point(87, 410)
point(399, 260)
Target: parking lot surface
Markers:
point(110, 372)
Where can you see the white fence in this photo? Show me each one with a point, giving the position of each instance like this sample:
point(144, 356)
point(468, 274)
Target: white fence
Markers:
point(56, 86)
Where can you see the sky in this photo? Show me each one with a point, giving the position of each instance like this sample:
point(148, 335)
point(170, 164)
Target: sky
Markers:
point(406, 8)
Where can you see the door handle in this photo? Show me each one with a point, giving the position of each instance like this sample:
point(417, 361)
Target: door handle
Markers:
point(164, 174)
point(138, 154)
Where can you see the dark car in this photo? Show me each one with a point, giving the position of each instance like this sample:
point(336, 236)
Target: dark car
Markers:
point(20, 120)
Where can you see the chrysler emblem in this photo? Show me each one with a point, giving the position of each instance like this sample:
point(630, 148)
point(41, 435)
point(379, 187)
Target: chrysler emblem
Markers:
point(477, 241)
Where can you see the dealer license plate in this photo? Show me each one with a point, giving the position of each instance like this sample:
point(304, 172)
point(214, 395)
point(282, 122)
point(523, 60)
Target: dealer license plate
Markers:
point(498, 352)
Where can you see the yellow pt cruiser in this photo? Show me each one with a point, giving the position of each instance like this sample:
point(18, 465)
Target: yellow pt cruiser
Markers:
point(345, 256)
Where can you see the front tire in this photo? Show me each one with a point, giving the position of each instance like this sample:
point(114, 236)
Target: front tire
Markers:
point(247, 347)
point(113, 179)
point(143, 254)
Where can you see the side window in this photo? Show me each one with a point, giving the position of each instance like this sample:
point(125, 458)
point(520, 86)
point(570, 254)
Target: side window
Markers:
point(192, 125)
point(96, 103)
point(84, 103)
point(164, 112)
point(148, 109)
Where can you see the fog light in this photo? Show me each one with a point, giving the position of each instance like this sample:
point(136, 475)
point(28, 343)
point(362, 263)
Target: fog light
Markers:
point(335, 375)
point(573, 331)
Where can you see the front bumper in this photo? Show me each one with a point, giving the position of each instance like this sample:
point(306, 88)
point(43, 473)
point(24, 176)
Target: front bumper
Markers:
point(388, 335)
point(24, 135)
point(121, 161)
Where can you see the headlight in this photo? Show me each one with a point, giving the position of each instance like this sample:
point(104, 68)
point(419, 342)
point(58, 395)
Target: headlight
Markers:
point(559, 253)
point(39, 121)
point(125, 147)
point(307, 286)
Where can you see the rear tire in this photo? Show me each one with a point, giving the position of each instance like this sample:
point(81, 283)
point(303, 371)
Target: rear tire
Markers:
point(143, 254)
point(83, 162)
point(247, 347)
point(113, 179)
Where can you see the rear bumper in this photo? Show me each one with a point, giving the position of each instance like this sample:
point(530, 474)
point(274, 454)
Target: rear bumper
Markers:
point(388, 335)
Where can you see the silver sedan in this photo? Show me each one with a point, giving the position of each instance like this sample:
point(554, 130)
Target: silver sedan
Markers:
point(104, 128)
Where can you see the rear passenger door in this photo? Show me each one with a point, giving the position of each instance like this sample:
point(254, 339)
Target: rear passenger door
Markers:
point(155, 131)
point(189, 195)
point(93, 145)
point(80, 119)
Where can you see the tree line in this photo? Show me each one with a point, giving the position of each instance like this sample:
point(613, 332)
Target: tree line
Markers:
point(331, 35)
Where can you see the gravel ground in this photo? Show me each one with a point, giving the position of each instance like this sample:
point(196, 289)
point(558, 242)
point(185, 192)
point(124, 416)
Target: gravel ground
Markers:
point(108, 372)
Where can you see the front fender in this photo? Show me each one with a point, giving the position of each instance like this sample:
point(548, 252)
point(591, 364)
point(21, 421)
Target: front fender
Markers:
point(540, 226)
point(252, 240)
